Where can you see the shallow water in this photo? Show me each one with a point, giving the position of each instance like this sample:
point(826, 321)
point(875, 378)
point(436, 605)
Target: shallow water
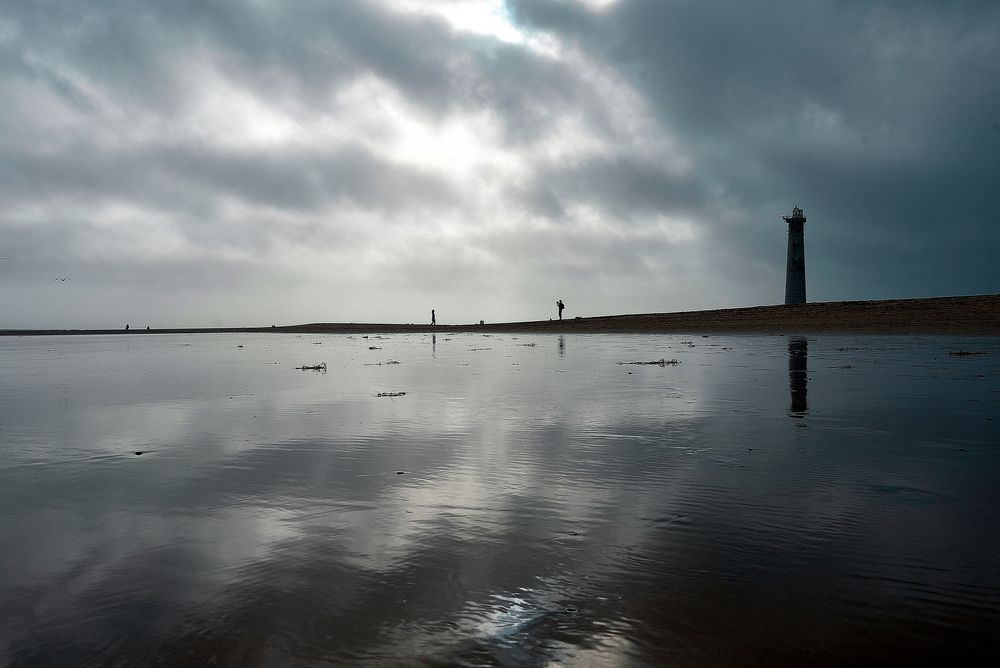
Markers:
point(528, 501)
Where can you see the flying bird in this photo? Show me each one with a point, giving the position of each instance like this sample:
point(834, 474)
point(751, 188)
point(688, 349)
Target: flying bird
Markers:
point(67, 278)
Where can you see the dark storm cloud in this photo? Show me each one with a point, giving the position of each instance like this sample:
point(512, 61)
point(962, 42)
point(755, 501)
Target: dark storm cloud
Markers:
point(878, 118)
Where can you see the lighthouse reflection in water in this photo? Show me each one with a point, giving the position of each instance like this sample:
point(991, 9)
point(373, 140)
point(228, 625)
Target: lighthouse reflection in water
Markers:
point(798, 375)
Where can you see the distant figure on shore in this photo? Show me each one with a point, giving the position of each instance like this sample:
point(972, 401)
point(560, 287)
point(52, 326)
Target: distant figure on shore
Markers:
point(147, 328)
point(433, 319)
point(561, 306)
point(126, 327)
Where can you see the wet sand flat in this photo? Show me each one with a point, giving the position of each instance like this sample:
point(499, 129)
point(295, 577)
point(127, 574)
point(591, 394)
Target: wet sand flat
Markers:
point(496, 499)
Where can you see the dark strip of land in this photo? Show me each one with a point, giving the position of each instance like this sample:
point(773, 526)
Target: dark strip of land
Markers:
point(970, 316)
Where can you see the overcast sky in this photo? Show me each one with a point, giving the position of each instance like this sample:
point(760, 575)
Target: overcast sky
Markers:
point(249, 162)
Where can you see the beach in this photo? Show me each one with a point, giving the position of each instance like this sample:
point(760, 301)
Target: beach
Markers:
point(977, 315)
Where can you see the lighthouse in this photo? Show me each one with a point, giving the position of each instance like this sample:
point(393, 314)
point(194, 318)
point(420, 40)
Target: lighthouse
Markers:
point(795, 270)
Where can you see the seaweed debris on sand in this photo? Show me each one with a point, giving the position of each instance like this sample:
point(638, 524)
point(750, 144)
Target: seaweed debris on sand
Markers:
point(660, 362)
point(313, 367)
point(390, 394)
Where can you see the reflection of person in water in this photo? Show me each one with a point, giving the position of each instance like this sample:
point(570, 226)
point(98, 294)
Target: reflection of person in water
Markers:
point(798, 372)
point(561, 306)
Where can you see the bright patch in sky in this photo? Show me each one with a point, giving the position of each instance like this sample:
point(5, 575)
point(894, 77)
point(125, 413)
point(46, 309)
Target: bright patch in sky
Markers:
point(237, 118)
point(599, 5)
point(483, 17)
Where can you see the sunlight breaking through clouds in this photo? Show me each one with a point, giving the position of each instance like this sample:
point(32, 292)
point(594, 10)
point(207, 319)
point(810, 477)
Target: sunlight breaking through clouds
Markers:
point(483, 17)
point(508, 148)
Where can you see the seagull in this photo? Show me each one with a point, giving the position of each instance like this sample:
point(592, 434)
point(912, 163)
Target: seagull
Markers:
point(67, 278)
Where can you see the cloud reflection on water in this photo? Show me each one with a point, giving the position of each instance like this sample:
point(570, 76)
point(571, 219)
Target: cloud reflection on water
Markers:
point(671, 509)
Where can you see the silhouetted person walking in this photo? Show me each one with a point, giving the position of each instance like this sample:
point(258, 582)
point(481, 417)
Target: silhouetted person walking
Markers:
point(561, 307)
point(433, 319)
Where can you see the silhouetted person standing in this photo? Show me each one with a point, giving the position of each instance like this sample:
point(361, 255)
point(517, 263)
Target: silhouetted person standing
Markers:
point(433, 319)
point(561, 307)
point(126, 328)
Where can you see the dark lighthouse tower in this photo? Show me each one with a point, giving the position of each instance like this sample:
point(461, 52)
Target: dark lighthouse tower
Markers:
point(795, 271)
